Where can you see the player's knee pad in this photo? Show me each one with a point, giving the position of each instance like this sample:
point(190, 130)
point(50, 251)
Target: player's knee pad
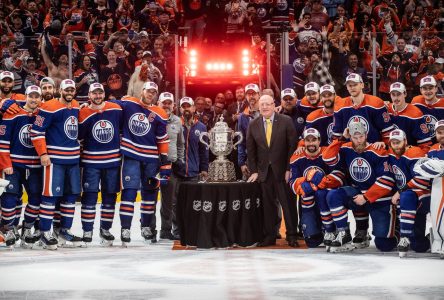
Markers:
point(335, 198)
point(34, 199)
point(89, 198)
point(420, 244)
point(311, 223)
point(385, 244)
point(109, 198)
point(314, 240)
point(69, 199)
point(9, 200)
point(129, 194)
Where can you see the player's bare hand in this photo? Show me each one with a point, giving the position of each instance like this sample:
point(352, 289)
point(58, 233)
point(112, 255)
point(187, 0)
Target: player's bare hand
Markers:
point(8, 171)
point(278, 109)
point(203, 176)
point(299, 150)
point(359, 199)
point(395, 198)
point(378, 145)
point(346, 133)
point(245, 171)
point(45, 160)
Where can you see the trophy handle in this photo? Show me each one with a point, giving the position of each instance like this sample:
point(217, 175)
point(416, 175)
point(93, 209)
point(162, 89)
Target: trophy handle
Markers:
point(241, 138)
point(202, 134)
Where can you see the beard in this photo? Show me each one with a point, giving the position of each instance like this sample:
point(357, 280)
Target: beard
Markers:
point(359, 148)
point(187, 115)
point(47, 96)
point(399, 152)
point(312, 149)
point(5, 89)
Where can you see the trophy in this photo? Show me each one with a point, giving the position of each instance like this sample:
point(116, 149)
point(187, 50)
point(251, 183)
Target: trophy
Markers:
point(221, 144)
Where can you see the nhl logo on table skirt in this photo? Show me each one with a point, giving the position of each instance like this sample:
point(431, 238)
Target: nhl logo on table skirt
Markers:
point(207, 206)
point(197, 205)
point(258, 202)
point(360, 170)
point(236, 204)
point(71, 128)
point(103, 131)
point(222, 205)
point(247, 203)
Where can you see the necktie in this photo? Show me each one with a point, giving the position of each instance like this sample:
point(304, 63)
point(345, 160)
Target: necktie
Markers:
point(268, 131)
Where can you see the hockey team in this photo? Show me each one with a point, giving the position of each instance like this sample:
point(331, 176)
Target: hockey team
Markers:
point(355, 153)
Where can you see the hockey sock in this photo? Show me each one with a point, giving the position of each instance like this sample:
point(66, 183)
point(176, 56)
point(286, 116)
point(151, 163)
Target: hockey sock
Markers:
point(32, 210)
point(127, 207)
point(18, 211)
point(46, 214)
point(408, 203)
point(361, 218)
point(88, 212)
point(67, 209)
point(9, 205)
point(56, 221)
point(148, 206)
point(107, 210)
point(335, 200)
point(326, 217)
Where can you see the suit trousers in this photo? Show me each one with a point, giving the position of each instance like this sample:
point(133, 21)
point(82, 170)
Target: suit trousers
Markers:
point(272, 189)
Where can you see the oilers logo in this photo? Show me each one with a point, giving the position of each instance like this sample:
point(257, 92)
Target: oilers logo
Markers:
point(71, 128)
point(25, 136)
point(313, 167)
point(359, 119)
point(139, 124)
point(400, 178)
point(330, 132)
point(103, 131)
point(281, 4)
point(430, 122)
point(261, 12)
point(360, 169)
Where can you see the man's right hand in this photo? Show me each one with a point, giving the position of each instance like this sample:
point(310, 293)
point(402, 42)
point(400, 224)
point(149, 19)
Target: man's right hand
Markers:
point(245, 171)
point(8, 171)
point(45, 160)
point(253, 177)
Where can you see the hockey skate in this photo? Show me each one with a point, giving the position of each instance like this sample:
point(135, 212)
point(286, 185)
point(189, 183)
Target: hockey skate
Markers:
point(328, 238)
point(149, 236)
point(10, 239)
point(362, 239)
point(403, 246)
point(67, 239)
point(27, 238)
point(16, 233)
point(48, 241)
point(125, 236)
point(87, 237)
point(106, 237)
point(342, 242)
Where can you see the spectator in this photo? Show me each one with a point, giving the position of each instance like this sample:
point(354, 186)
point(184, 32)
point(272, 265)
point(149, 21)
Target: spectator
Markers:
point(305, 30)
point(30, 74)
point(143, 73)
point(194, 15)
point(319, 65)
point(201, 114)
point(114, 76)
point(319, 18)
point(84, 76)
point(164, 24)
point(352, 67)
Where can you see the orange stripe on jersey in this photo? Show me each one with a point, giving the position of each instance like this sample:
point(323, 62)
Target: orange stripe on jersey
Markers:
point(163, 148)
point(47, 180)
point(39, 145)
point(101, 156)
point(75, 152)
point(441, 204)
point(139, 149)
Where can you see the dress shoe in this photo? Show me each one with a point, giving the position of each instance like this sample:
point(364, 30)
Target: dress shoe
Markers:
point(267, 242)
point(293, 243)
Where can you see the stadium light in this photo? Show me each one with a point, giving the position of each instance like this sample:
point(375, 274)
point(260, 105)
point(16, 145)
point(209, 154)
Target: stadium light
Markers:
point(193, 53)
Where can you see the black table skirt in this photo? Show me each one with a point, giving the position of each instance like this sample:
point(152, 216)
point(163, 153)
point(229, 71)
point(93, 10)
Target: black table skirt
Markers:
point(219, 215)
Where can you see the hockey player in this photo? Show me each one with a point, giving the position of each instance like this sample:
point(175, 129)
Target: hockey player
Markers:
point(322, 118)
point(413, 193)
point(21, 166)
point(431, 106)
point(252, 94)
point(408, 118)
point(310, 179)
point(144, 147)
point(370, 191)
point(47, 85)
point(367, 109)
point(6, 85)
point(54, 136)
point(99, 135)
point(311, 101)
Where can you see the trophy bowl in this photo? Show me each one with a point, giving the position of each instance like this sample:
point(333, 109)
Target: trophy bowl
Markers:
point(221, 144)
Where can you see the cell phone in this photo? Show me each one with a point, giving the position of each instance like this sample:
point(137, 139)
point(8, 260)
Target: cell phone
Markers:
point(78, 33)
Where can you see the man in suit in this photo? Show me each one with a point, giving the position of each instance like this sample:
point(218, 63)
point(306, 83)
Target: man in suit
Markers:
point(271, 140)
point(236, 108)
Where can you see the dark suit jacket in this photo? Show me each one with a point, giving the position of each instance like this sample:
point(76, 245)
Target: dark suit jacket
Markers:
point(232, 110)
point(282, 146)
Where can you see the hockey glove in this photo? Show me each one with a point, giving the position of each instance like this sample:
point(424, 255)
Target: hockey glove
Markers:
point(10, 106)
point(429, 168)
point(314, 176)
point(165, 169)
point(308, 189)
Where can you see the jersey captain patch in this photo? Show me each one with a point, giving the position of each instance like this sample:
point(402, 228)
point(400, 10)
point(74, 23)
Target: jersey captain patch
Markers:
point(360, 169)
point(103, 131)
point(71, 128)
point(139, 124)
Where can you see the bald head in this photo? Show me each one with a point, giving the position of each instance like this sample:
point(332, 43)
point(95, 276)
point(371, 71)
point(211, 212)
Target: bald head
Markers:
point(268, 92)
point(266, 106)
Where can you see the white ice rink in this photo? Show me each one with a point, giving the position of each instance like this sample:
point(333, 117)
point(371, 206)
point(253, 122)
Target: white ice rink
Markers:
point(157, 272)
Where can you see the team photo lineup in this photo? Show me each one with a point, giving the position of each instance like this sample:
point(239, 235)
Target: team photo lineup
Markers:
point(322, 154)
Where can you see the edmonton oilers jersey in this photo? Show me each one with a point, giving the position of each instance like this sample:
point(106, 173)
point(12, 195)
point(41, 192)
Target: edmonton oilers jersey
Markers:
point(372, 113)
point(144, 130)
point(99, 134)
point(368, 171)
point(55, 132)
point(437, 151)
point(323, 122)
point(402, 170)
point(432, 113)
point(16, 148)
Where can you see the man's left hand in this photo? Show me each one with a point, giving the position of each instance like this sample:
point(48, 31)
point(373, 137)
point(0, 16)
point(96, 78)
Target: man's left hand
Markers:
point(359, 199)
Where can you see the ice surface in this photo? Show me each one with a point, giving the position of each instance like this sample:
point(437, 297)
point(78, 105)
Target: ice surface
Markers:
point(156, 272)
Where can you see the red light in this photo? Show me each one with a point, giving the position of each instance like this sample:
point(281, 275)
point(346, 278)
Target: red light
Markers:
point(193, 52)
point(245, 72)
point(245, 52)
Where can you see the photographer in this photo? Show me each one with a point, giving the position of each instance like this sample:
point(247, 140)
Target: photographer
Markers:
point(77, 17)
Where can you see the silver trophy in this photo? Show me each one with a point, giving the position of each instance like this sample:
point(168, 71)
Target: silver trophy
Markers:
point(221, 144)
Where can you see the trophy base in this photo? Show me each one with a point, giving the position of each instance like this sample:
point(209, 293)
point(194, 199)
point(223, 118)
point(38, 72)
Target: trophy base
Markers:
point(221, 171)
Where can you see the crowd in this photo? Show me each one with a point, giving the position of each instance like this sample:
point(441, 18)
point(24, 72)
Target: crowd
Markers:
point(123, 53)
